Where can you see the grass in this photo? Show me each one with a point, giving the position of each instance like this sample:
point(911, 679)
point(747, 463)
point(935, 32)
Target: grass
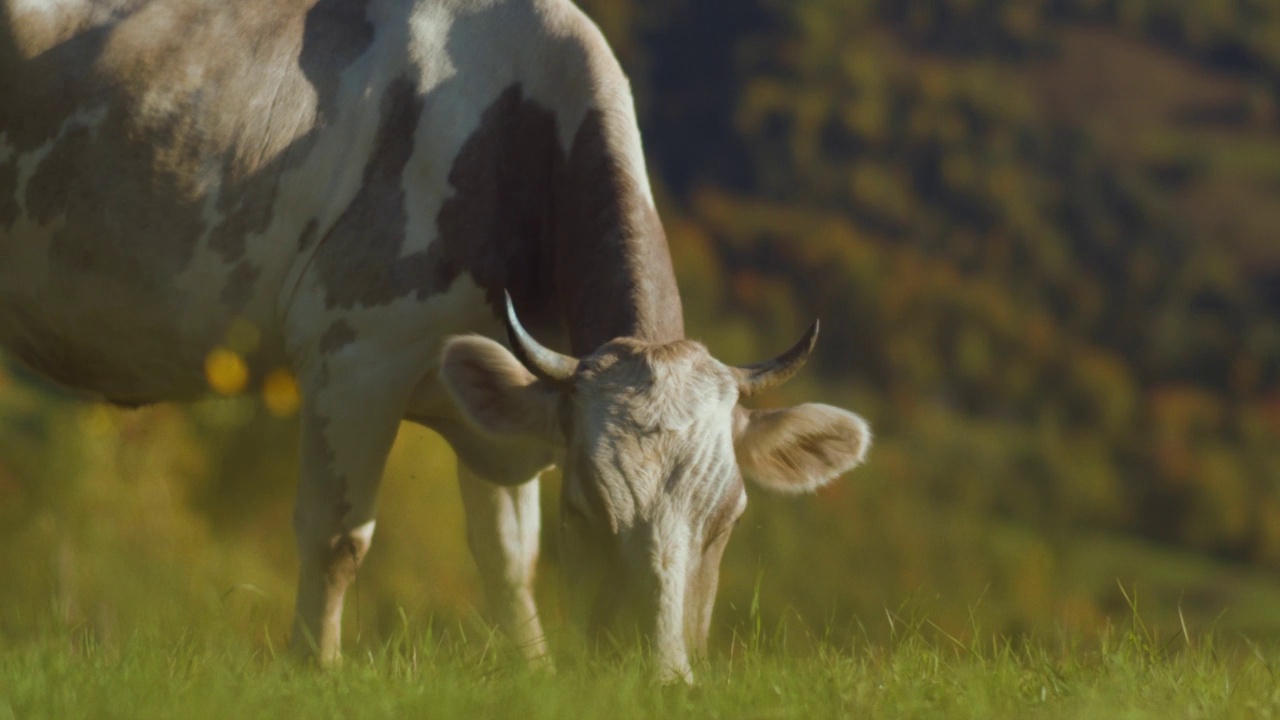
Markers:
point(1126, 672)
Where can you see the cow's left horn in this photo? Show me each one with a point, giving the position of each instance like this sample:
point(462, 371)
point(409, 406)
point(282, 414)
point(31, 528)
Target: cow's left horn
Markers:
point(548, 365)
point(755, 379)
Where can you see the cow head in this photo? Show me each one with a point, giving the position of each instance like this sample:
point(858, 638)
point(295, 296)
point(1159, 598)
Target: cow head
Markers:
point(655, 448)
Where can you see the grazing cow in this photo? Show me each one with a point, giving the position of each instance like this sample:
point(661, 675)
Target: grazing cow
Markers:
point(362, 180)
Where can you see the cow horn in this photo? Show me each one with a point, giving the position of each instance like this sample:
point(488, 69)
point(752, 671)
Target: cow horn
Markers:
point(548, 365)
point(755, 379)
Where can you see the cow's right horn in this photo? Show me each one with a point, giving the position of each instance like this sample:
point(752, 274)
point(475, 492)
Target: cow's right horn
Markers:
point(548, 365)
point(755, 379)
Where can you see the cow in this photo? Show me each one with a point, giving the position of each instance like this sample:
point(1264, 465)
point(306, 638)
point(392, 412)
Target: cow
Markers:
point(384, 190)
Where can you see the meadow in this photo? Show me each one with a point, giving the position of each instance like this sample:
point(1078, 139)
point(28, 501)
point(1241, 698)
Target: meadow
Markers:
point(152, 578)
point(1125, 672)
point(1041, 241)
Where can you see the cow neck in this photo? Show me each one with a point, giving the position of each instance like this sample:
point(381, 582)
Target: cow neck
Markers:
point(613, 266)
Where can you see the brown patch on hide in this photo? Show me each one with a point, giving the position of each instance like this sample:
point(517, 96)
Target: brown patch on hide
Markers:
point(325, 489)
point(246, 203)
point(524, 216)
point(315, 432)
point(344, 505)
point(132, 189)
point(610, 244)
point(497, 224)
point(239, 288)
point(128, 200)
point(8, 193)
point(308, 235)
point(359, 258)
point(494, 226)
point(526, 219)
point(42, 89)
point(49, 188)
point(335, 34)
point(339, 335)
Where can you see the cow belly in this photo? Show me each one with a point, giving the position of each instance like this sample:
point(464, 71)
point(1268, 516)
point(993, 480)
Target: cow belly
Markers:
point(124, 336)
point(124, 373)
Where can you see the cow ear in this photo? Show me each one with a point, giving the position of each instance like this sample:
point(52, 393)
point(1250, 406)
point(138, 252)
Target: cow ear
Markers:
point(495, 391)
point(799, 449)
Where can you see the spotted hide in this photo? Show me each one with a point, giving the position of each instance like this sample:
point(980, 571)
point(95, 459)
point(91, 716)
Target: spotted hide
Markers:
point(381, 190)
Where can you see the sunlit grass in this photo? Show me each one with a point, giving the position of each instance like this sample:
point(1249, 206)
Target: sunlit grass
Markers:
point(1127, 671)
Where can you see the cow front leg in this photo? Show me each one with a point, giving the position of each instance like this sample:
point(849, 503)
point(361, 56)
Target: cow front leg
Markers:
point(502, 530)
point(347, 432)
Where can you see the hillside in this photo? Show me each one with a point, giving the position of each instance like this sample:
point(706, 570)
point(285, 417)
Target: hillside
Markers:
point(1044, 237)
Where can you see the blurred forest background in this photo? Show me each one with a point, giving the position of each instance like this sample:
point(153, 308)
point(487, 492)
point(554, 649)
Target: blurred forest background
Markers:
point(1042, 238)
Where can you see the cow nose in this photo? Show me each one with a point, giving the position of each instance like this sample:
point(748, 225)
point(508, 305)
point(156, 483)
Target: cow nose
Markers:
point(632, 631)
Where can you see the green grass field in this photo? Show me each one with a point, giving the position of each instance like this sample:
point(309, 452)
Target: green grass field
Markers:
point(1126, 672)
point(121, 600)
